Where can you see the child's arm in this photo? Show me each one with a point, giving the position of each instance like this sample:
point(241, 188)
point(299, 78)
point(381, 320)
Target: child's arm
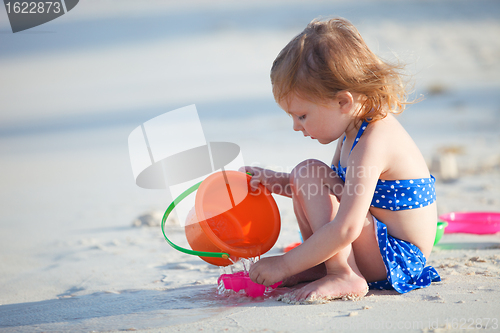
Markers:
point(335, 235)
point(275, 182)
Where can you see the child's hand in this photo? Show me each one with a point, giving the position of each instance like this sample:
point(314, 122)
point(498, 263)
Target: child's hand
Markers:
point(275, 182)
point(259, 176)
point(268, 271)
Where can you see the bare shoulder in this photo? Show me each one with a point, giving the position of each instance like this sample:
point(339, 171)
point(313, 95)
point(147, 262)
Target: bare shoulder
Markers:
point(398, 153)
point(388, 128)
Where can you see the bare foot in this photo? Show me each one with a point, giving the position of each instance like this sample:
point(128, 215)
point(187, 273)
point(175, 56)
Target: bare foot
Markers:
point(330, 287)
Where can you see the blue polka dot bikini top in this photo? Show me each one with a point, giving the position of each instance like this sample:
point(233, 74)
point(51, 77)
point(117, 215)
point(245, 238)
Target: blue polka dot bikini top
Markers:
point(396, 194)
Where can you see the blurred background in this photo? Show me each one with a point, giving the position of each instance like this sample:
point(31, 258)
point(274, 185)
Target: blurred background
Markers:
point(73, 89)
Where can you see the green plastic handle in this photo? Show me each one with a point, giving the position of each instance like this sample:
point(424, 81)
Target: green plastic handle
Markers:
point(187, 251)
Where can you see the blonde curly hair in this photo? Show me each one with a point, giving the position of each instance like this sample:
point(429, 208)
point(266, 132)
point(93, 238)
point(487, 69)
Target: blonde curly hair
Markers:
point(331, 56)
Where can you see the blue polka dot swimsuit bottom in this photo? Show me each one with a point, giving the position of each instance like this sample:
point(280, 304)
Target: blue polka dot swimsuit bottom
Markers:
point(404, 263)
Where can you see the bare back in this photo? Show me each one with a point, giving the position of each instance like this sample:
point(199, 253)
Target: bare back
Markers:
point(400, 158)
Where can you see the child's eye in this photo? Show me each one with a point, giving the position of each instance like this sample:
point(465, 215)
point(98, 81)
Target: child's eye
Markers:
point(302, 117)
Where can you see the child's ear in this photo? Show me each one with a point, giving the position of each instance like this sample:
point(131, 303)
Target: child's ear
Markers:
point(345, 100)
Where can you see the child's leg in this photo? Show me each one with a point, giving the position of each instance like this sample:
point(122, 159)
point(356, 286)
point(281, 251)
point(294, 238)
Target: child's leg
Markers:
point(315, 206)
point(313, 273)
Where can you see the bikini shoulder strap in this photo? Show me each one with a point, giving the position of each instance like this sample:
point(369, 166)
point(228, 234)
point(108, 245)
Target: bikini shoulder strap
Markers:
point(360, 132)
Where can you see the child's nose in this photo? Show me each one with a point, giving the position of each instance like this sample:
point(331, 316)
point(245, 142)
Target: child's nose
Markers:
point(296, 126)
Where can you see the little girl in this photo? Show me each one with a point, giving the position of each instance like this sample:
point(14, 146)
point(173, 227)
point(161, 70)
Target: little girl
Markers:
point(369, 220)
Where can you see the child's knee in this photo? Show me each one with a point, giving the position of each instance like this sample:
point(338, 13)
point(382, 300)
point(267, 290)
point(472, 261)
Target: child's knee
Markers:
point(302, 171)
point(307, 172)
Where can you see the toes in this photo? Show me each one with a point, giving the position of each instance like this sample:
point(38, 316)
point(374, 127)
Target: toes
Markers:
point(303, 295)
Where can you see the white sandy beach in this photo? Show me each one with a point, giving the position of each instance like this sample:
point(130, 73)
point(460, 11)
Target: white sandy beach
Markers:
point(72, 90)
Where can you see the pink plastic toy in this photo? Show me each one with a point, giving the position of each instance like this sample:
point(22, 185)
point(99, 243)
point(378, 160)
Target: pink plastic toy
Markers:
point(241, 280)
point(472, 222)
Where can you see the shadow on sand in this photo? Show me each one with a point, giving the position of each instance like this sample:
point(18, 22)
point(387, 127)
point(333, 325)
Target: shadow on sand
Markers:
point(129, 309)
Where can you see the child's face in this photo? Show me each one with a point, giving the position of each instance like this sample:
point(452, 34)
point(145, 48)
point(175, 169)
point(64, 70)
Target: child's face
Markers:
point(323, 122)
